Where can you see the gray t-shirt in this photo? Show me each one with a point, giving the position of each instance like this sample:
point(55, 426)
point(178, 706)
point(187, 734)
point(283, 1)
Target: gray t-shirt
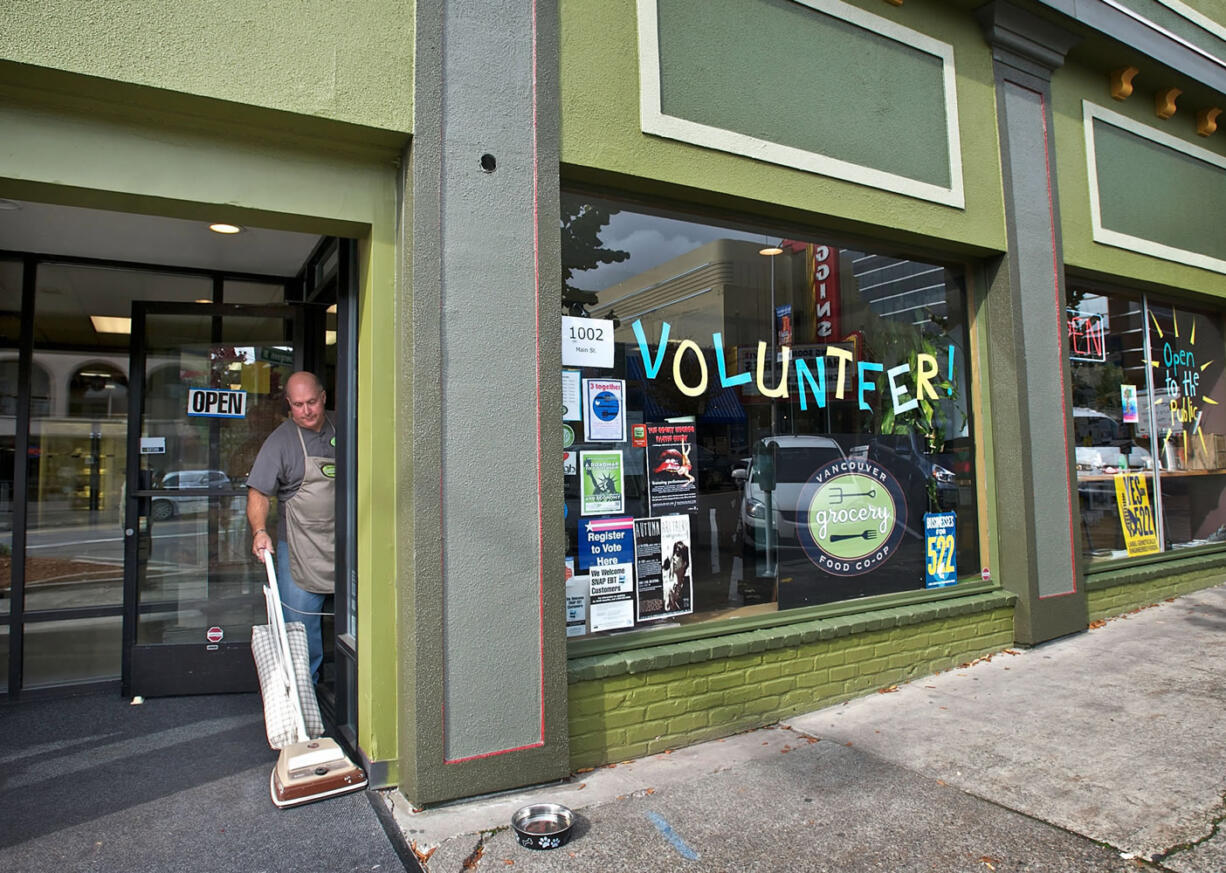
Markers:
point(279, 467)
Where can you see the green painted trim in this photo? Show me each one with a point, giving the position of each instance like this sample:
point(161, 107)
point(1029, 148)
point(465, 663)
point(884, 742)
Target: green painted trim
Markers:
point(602, 139)
point(1143, 183)
point(765, 638)
point(378, 506)
point(1070, 85)
point(738, 76)
point(651, 637)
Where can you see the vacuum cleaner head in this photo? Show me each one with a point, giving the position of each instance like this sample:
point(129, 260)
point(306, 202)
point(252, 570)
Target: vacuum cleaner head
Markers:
point(312, 770)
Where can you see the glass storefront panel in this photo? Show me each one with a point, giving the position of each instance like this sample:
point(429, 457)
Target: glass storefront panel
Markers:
point(78, 428)
point(1149, 408)
point(70, 651)
point(10, 329)
point(755, 423)
point(196, 570)
point(1188, 413)
point(1110, 414)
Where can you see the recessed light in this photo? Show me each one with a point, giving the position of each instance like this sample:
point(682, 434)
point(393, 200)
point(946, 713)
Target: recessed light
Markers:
point(9, 205)
point(220, 227)
point(111, 324)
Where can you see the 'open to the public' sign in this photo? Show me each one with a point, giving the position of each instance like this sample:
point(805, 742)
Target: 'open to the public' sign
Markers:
point(216, 403)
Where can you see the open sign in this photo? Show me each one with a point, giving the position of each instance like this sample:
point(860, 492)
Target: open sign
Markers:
point(216, 403)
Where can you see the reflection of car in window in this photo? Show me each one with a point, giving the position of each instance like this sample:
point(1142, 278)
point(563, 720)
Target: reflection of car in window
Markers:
point(797, 458)
point(167, 507)
point(1100, 441)
point(927, 480)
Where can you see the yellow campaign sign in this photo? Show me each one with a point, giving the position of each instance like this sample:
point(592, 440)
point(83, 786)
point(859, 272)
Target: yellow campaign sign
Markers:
point(1136, 515)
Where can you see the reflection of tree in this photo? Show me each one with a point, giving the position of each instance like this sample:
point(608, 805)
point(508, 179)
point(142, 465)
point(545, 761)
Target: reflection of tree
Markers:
point(1097, 385)
point(583, 250)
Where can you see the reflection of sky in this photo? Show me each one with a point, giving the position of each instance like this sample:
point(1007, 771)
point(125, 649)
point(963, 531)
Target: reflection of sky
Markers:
point(651, 241)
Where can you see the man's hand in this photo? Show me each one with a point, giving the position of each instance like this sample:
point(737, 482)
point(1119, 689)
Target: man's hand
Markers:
point(261, 543)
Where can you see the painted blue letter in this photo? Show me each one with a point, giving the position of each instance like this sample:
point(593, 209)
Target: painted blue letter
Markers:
point(724, 380)
point(651, 366)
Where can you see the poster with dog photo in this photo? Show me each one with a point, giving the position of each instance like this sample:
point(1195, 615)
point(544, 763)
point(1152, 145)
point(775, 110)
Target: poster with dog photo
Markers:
point(665, 583)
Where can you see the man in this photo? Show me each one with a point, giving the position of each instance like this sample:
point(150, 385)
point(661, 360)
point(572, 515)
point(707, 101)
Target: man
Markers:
point(297, 465)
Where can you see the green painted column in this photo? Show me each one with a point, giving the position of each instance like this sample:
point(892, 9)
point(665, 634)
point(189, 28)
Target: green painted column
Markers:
point(483, 660)
point(1035, 488)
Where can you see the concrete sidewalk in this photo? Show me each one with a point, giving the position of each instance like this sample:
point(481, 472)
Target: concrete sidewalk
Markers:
point(1105, 751)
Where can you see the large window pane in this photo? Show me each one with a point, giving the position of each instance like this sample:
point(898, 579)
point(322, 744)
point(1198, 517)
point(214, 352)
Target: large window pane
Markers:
point(1111, 426)
point(1188, 413)
point(78, 428)
point(786, 410)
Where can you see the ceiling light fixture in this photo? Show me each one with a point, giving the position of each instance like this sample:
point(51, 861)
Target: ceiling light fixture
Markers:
point(770, 251)
point(111, 324)
point(222, 227)
point(9, 205)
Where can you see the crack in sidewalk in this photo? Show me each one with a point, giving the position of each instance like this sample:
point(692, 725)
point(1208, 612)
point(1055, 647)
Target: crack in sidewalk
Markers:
point(1215, 825)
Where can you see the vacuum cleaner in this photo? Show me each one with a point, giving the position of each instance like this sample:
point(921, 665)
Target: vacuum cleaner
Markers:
point(309, 768)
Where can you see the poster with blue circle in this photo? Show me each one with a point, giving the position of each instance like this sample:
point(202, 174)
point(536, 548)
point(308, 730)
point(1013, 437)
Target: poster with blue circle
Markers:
point(604, 402)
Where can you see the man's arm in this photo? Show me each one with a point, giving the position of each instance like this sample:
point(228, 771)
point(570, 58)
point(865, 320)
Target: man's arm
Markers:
point(257, 517)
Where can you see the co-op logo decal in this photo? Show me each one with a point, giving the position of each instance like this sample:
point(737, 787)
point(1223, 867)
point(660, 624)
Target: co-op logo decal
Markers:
point(852, 514)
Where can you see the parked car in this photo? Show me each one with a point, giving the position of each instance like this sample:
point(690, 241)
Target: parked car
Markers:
point(170, 506)
point(798, 456)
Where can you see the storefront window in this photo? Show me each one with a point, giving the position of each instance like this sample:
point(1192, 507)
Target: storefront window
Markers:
point(1149, 424)
point(755, 423)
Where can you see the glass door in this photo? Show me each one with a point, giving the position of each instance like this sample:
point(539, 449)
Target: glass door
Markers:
point(206, 388)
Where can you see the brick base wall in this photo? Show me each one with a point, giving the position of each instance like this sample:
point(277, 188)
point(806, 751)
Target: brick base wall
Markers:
point(627, 706)
point(1107, 600)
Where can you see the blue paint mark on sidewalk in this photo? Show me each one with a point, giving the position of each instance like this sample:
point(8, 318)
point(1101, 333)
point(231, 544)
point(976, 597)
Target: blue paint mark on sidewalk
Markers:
point(669, 834)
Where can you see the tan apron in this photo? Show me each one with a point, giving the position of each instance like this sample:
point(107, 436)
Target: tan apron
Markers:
point(310, 527)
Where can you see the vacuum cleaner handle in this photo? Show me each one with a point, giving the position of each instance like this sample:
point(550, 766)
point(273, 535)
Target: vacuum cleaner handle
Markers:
point(276, 620)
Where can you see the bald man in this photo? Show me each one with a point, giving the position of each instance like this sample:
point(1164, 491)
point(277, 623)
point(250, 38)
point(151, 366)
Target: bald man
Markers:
point(297, 465)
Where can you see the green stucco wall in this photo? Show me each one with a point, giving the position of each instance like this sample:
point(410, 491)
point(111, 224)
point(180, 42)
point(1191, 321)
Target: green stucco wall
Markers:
point(1070, 85)
point(602, 139)
point(350, 62)
point(639, 703)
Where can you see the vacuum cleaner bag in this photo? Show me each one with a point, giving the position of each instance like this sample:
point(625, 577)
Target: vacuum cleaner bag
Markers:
point(279, 719)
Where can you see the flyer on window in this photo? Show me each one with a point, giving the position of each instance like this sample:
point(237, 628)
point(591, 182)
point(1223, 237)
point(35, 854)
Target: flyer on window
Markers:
point(662, 566)
point(576, 605)
point(604, 410)
point(603, 489)
point(611, 601)
point(572, 402)
point(672, 483)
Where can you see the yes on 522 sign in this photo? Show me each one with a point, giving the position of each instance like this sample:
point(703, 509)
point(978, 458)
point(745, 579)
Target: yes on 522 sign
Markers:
point(941, 549)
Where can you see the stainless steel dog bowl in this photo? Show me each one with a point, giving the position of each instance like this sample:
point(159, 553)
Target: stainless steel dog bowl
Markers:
point(543, 825)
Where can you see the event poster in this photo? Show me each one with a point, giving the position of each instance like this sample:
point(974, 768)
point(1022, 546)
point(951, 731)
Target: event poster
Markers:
point(671, 478)
point(604, 410)
point(1136, 515)
point(603, 487)
point(576, 605)
point(662, 565)
point(611, 600)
